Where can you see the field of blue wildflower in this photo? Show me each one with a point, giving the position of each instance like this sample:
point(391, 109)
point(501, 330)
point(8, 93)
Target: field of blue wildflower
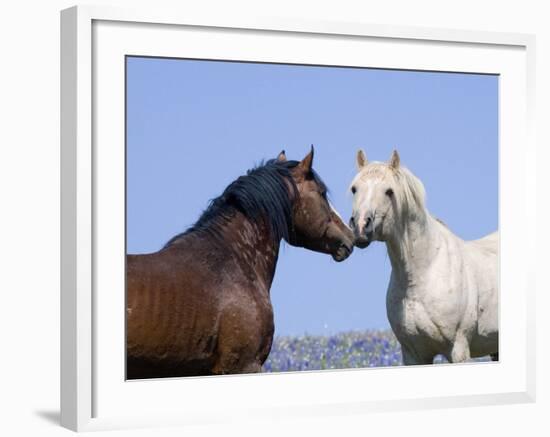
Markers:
point(347, 350)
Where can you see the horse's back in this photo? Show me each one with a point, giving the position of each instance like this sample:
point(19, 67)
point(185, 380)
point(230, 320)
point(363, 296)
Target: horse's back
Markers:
point(487, 245)
point(482, 257)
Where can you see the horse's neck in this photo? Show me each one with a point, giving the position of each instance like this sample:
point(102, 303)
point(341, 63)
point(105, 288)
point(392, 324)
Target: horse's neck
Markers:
point(253, 248)
point(413, 247)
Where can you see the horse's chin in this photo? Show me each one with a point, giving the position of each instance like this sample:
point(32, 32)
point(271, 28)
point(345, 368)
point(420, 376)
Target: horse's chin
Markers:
point(342, 253)
point(362, 243)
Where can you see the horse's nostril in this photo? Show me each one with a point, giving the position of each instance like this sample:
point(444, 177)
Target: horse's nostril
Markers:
point(369, 226)
point(351, 222)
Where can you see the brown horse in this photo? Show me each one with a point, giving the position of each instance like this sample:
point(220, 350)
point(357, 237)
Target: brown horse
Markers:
point(201, 305)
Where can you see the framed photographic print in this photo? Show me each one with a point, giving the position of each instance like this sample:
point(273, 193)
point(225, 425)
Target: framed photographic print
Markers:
point(321, 211)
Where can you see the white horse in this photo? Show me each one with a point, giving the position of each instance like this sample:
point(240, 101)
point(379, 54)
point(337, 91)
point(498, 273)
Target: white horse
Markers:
point(443, 295)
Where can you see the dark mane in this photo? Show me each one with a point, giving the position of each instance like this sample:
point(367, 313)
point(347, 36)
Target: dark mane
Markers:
point(261, 195)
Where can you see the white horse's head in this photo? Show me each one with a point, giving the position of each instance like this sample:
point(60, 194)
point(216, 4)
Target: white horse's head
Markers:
point(385, 196)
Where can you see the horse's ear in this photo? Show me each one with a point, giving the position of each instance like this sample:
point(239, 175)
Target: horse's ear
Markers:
point(282, 156)
point(394, 160)
point(361, 159)
point(307, 163)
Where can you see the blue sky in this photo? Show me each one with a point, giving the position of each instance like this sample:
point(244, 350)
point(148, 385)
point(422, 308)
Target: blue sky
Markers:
point(195, 126)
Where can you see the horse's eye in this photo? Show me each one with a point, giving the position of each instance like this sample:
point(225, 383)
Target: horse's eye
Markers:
point(389, 192)
point(353, 190)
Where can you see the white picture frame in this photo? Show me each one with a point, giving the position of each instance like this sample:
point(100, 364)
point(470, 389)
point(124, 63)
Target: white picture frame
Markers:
point(94, 41)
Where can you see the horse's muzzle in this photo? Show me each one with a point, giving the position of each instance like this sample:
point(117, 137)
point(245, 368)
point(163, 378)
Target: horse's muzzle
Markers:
point(362, 242)
point(343, 251)
point(363, 237)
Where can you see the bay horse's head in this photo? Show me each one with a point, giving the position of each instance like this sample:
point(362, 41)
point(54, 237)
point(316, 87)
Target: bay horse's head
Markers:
point(316, 225)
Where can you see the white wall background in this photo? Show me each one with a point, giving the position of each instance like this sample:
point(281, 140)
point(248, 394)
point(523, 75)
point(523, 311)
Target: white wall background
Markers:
point(29, 214)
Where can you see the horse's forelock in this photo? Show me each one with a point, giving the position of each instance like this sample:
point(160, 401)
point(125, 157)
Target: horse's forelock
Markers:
point(410, 190)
